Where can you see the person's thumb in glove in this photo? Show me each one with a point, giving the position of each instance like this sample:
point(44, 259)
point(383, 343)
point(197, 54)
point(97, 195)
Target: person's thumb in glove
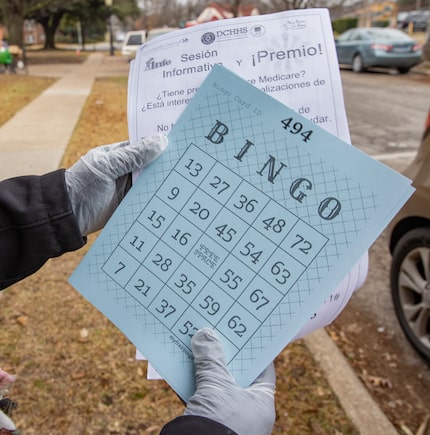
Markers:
point(99, 180)
point(220, 398)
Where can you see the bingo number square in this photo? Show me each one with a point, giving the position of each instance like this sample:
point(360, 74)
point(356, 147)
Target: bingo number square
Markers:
point(245, 224)
point(210, 249)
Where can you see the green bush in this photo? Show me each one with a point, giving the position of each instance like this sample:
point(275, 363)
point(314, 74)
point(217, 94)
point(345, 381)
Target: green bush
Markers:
point(382, 23)
point(342, 24)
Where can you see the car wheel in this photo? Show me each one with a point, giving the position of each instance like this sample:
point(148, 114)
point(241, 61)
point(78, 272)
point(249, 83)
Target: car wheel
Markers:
point(357, 64)
point(403, 69)
point(410, 287)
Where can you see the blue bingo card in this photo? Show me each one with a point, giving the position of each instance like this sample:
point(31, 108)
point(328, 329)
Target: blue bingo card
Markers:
point(245, 224)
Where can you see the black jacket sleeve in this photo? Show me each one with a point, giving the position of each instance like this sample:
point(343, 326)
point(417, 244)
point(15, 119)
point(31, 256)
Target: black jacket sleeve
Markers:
point(191, 425)
point(36, 223)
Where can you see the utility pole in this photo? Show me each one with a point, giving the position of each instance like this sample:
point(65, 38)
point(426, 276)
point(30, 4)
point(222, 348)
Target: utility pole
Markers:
point(108, 3)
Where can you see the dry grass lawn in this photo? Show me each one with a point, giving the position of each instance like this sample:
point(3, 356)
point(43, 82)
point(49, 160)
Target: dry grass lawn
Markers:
point(18, 90)
point(76, 371)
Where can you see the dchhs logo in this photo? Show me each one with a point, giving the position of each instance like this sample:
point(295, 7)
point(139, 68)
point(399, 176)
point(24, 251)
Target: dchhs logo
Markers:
point(208, 38)
point(232, 33)
point(258, 30)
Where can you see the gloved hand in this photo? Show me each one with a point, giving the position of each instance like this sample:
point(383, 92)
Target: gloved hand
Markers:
point(7, 426)
point(98, 181)
point(6, 380)
point(218, 397)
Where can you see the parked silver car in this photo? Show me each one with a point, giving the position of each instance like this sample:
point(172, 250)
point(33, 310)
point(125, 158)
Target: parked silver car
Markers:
point(362, 48)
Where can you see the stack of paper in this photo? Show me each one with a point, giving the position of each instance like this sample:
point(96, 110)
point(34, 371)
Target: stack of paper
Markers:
point(288, 55)
point(256, 220)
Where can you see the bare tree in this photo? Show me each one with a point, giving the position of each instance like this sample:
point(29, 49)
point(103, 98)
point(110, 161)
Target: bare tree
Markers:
point(268, 6)
point(14, 12)
point(159, 13)
point(235, 7)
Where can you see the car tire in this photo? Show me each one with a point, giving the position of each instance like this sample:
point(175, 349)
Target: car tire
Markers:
point(403, 69)
point(410, 287)
point(357, 64)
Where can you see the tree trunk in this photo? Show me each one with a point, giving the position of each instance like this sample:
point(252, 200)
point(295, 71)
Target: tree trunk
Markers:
point(50, 24)
point(235, 7)
point(14, 21)
point(426, 50)
point(83, 33)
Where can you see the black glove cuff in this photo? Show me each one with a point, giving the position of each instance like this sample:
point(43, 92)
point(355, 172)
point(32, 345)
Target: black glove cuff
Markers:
point(194, 424)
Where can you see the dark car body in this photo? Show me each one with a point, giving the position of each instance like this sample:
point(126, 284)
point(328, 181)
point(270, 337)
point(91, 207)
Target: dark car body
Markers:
point(410, 249)
point(418, 19)
point(362, 48)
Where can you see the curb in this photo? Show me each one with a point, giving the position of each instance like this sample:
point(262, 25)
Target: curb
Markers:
point(422, 68)
point(356, 401)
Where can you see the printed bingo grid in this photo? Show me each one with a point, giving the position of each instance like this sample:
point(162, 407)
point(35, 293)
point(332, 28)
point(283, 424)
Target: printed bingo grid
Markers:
point(206, 231)
point(211, 235)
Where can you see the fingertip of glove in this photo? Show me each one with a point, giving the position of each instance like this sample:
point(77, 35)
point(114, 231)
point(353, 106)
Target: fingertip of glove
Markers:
point(204, 340)
point(267, 376)
point(205, 334)
point(159, 139)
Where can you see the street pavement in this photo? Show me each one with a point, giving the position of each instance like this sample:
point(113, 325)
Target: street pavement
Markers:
point(34, 141)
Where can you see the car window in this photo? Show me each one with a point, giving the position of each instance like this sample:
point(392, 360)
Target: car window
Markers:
point(388, 35)
point(134, 40)
point(346, 36)
point(421, 16)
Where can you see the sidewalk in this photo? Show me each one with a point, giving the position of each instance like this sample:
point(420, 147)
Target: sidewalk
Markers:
point(33, 142)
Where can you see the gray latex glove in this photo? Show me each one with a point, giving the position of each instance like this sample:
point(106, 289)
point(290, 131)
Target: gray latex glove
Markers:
point(218, 397)
point(98, 181)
